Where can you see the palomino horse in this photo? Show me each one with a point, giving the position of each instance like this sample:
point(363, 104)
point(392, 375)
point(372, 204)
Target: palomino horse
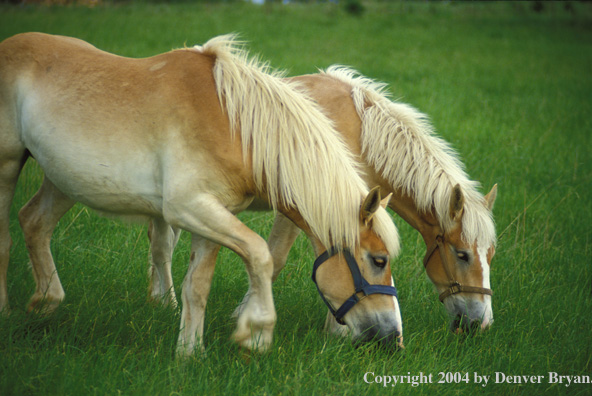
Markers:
point(189, 138)
point(431, 192)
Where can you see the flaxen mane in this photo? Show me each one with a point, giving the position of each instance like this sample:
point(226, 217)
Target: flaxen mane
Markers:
point(399, 142)
point(298, 158)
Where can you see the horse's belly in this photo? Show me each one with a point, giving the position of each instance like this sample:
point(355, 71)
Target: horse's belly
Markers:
point(117, 191)
point(93, 161)
point(121, 183)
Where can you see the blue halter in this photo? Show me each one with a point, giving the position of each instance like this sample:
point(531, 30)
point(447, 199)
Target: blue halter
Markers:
point(361, 285)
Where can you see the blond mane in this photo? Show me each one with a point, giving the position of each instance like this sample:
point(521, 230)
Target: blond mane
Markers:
point(298, 158)
point(399, 142)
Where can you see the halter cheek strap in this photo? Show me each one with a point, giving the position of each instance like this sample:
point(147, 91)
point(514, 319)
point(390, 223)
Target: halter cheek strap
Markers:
point(454, 286)
point(361, 285)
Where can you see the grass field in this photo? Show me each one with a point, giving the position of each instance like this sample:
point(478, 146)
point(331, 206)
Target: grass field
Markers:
point(509, 87)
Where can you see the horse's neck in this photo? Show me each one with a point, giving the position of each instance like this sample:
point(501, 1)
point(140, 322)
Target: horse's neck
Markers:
point(295, 216)
point(426, 223)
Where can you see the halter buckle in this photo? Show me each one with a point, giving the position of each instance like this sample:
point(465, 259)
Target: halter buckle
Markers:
point(455, 288)
point(358, 298)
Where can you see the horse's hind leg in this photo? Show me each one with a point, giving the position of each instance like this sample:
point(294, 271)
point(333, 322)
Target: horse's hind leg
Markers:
point(163, 239)
point(38, 219)
point(196, 289)
point(10, 168)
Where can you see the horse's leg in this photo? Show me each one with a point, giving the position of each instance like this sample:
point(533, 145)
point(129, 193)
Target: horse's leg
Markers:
point(196, 289)
point(163, 239)
point(10, 168)
point(214, 222)
point(38, 219)
point(281, 238)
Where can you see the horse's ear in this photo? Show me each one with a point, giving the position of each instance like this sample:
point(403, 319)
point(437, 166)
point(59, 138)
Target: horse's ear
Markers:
point(370, 205)
point(490, 198)
point(457, 202)
point(385, 201)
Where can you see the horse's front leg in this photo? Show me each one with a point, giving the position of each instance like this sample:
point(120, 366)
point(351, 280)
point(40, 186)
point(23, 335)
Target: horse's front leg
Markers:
point(38, 219)
point(281, 238)
point(205, 216)
point(163, 239)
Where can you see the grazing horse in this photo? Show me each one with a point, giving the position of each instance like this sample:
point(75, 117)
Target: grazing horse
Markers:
point(431, 191)
point(188, 139)
point(399, 152)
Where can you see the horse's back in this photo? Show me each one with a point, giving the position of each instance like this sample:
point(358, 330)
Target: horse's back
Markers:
point(23, 43)
point(62, 62)
point(26, 54)
point(69, 87)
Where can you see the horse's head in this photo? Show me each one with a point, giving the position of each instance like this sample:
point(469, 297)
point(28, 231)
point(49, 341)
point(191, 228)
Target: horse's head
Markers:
point(357, 286)
point(460, 270)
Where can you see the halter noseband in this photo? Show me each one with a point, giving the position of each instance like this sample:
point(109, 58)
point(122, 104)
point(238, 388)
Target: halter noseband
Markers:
point(361, 285)
point(454, 287)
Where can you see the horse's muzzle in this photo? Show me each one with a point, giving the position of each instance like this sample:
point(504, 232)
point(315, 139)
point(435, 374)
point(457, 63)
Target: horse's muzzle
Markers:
point(388, 341)
point(462, 324)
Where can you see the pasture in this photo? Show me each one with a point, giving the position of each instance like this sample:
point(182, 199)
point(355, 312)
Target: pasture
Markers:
point(508, 87)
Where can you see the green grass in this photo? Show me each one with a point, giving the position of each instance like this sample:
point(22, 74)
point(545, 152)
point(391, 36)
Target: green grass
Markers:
point(510, 88)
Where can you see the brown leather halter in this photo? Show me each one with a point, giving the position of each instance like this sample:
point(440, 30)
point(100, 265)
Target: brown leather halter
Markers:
point(454, 287)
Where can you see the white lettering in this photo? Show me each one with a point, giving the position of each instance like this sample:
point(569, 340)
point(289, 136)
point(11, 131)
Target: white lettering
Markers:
point(417, 379)
point(499, 377)
point(480, 379)
point(521, 379)
point(555, 378)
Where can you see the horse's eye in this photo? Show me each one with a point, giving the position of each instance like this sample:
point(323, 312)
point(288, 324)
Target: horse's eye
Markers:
point(463, 256)
point(380, 261)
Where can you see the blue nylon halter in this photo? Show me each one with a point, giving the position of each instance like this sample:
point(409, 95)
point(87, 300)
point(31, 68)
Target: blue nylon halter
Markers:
point(361, 285)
